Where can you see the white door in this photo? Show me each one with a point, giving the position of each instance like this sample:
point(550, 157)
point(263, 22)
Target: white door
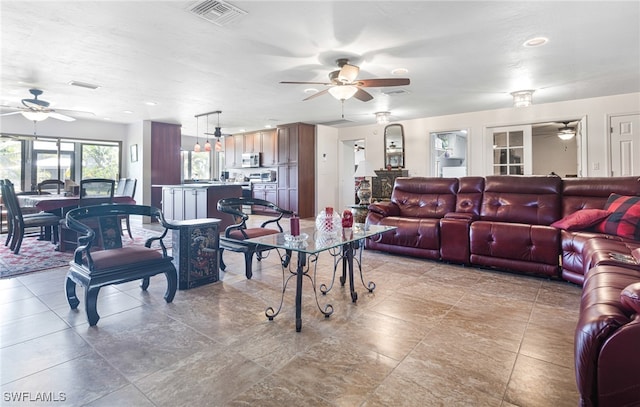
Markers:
point(511, 150)
point(625, 145)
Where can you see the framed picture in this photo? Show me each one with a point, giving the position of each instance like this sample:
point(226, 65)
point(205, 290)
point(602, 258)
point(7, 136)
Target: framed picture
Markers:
point(134, 153)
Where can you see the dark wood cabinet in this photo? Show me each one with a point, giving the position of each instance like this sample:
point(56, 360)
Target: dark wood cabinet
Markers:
point(290, 150)
point(296, 168)
point(165, 158)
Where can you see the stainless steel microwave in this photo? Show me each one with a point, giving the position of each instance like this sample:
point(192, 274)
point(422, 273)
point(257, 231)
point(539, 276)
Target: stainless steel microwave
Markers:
point(250, 160)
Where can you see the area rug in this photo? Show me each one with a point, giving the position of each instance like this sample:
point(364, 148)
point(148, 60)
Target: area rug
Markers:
point(36, 255)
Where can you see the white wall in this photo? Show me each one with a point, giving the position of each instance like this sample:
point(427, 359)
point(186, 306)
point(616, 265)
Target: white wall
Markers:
point(327, 158)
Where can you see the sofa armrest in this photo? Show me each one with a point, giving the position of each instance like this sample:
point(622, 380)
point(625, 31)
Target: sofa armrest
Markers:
point(630, 298)
point(385, 209)
point(461, 216)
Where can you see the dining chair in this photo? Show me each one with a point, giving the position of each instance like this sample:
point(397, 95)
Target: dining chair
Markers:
point(120, 186)
point(20, 223)
point(93, 191)
point(25, 212)
point(50, 184)
point(129, 189)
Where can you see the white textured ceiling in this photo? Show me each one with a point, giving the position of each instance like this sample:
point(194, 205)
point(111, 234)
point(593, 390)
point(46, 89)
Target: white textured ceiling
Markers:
point(461, 57)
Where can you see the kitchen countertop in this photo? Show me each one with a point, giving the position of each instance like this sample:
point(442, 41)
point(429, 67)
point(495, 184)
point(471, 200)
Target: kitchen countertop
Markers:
point(203, 185)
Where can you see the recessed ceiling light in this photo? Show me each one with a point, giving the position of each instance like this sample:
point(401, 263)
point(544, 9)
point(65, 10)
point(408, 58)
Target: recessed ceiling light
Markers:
point(150, 103)
point(535, 42)
point(311, 90)
point(268, 126)
point(127, 111)
point(400, 71)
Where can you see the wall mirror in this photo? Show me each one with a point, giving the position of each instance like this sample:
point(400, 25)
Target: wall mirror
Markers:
point(394, 146)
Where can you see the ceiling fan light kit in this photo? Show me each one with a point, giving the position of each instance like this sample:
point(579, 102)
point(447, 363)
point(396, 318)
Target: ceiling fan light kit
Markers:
point(35, 116)
point(343, 92)
point(566, 133)
point(522, 98)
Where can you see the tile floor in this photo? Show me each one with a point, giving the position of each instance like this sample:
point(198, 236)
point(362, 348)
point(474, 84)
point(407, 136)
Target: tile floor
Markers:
point(431, 334)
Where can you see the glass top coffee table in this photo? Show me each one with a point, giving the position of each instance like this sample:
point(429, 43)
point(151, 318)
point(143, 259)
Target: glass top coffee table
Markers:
point(343, 245)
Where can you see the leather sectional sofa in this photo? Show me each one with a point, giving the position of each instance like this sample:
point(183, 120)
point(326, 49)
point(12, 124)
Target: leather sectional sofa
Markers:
point(540, 225)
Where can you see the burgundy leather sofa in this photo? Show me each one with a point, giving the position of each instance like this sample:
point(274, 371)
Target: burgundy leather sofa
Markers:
point(504, 222)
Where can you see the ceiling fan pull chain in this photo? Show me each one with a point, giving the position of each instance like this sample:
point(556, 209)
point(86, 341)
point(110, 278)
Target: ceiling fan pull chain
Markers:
point(342, 100)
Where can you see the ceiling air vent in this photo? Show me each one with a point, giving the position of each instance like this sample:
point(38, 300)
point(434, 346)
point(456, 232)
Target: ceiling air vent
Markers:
point(394, 92)
point(217, 12)
point(338, 122)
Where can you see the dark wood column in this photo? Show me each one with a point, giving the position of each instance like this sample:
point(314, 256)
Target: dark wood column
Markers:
point(165, 158)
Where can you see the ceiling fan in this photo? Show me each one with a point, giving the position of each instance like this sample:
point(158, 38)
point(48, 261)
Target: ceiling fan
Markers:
point(37, 109)
point(344, 85)
point(566, 132)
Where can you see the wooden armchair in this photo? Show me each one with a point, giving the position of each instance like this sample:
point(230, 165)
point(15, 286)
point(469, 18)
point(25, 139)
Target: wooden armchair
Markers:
point(115, 264)
point(235, 234)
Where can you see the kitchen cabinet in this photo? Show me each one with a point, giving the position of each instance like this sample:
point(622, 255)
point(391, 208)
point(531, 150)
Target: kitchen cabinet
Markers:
point(230, 152)
point(266, 191)
point(296, 168)
point(251, 142)
point(290, 150)
point(268, 150)
point(198, 201)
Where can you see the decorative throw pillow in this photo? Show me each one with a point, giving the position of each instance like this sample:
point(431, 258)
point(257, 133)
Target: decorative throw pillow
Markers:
point(581, 219)
point(624, 218)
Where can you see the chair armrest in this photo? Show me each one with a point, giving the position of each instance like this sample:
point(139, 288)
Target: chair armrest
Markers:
point(462, 216)
point(385, 208)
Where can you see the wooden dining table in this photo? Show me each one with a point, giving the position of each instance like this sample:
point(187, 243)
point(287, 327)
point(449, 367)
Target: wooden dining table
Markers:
point(53, 202)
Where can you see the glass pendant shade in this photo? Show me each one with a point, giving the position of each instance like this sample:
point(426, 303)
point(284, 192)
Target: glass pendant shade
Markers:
point(35, 116)
point(343, 92)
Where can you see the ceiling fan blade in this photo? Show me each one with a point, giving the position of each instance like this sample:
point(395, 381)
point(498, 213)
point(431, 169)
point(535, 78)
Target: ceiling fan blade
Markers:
point(62, 117)
point(315, 95)
point(378, 83)
point(306, 83)
point(9, 114)
point(362, 95)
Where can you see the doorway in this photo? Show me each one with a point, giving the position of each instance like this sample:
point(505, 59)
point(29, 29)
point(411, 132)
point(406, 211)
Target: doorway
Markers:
point(624, 145)
point(449, 153)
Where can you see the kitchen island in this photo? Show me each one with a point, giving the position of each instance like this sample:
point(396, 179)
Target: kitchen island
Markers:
point(198, 200)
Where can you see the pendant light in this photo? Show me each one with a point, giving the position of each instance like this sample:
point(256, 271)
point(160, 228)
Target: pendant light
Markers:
point(196, 148)
point(207, 145)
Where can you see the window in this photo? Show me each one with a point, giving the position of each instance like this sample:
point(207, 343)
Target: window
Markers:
point(28, 160)
point(11, 151)
point(196, 166)
point(511, 150)
point(100, 161)
point(45, 161)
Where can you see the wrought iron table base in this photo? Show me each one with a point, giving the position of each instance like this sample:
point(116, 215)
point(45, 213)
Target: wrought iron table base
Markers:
point(347, 256)
point(302, 270)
